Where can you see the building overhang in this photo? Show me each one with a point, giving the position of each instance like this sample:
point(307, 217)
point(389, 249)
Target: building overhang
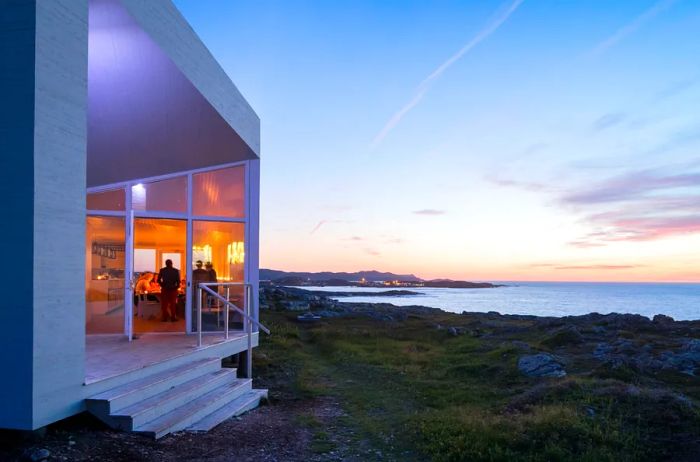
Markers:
point(158, 102)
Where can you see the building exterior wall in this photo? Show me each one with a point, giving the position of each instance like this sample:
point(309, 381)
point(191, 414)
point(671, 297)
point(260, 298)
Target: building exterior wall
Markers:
point(17, 43)
point(60, 143)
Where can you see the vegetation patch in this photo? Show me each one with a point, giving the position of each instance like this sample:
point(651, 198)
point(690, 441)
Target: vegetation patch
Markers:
point(413, 390)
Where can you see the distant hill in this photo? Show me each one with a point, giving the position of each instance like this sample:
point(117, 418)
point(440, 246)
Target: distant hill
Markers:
point(372, 276)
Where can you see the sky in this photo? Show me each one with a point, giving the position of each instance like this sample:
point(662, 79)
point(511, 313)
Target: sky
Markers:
point(477, 140)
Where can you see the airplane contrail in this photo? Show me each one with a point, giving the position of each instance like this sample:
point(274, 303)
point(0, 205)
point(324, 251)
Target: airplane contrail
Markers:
point(627, 29)
point(425, 85)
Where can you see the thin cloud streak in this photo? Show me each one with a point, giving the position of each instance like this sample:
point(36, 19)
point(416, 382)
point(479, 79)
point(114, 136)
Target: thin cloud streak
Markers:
point(428, 81)
point(627, 29)
point(597, 267)
point(318, 226)
point(511, 183)
point(608, 120)
point(430, 212)
point(631, 186)
point(325, 222)
point(567, 267)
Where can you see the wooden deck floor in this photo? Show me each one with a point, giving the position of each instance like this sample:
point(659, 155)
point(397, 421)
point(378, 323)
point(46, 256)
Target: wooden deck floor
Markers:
point(111, 355)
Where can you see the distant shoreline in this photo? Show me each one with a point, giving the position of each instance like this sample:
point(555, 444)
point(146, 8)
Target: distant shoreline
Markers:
point(552, 300)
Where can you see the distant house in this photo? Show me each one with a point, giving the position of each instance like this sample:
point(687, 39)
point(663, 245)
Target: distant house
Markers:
point(124, 145)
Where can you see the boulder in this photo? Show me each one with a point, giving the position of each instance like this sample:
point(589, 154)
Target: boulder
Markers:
point(662, 319)
point(602, 351)
point(686, 361)
point(567, 335)
point(36, 454)
point(541, 365)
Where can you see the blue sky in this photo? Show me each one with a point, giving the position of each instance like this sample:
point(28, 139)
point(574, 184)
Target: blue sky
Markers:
point(562, 144)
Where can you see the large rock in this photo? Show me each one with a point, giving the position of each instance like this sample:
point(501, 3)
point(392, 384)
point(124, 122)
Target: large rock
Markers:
point(567, 335)
point(36, 454)
point(686, 361)
point(541, 365)
point(662, 319)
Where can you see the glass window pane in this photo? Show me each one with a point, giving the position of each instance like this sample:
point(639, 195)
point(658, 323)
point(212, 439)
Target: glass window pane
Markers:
point(222, 244)
point(162, 196)
point(104, 278)
point(219, 193)
point(106, 200)
point(218, 254)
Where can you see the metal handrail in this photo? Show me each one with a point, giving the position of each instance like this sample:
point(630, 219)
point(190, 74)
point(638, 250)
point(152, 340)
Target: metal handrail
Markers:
point(249, 321)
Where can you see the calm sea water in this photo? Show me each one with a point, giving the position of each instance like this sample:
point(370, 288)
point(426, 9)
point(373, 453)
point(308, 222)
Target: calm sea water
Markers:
point(680, 301)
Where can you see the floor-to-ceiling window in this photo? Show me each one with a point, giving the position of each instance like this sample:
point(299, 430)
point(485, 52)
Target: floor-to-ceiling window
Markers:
point(220, 247)
point(203, 209)
point(104, 274)
point(218, 239)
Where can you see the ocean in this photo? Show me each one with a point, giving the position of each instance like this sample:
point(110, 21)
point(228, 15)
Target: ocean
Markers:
point(680, 301)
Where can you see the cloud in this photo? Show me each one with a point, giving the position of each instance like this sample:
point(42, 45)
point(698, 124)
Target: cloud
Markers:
point(355, 238)
point(534, 148)
point(372, 252)
point(679, 139)
point(597, 267)
point(566, 267)
point(631, 27)
point(631, 186)
point(318, 226)
point(325, 222)
point(429, 212)
point(607, 121)
point(511, 183)
point(427, 83)
point(678, 87)
point(638, 206)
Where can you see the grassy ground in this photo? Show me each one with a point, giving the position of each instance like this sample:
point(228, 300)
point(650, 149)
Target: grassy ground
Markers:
point(411, 391)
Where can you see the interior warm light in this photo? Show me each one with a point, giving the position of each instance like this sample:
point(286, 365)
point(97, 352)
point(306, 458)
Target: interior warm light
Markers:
point(138, 196)
point(235, 252)
point(201, 252)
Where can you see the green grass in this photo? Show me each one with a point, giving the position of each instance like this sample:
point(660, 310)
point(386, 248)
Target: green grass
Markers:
point(416, 392)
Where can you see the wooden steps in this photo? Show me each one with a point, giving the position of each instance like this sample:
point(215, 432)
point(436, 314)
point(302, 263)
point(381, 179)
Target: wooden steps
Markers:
point(196, 396)
point(238, 406)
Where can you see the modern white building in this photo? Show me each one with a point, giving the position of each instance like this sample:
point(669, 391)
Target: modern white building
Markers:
point(123, 144)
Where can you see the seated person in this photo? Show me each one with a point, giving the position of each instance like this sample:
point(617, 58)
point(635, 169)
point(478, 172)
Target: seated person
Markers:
point(141, 290)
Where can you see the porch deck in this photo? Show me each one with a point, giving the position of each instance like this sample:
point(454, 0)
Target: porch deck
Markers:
point(108, 356)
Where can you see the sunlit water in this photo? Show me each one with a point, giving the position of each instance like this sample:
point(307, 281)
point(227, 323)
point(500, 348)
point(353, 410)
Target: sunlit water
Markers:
point(680, 301)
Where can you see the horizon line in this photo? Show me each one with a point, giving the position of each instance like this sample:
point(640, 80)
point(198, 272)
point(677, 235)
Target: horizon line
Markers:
point(591, 281)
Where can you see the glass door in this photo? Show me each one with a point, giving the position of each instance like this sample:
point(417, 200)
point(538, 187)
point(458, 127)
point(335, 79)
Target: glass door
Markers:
point(159, 268)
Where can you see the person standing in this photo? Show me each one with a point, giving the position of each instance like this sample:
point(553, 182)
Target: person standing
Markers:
point(200, 275)
point(211, 273)
point(169, 280)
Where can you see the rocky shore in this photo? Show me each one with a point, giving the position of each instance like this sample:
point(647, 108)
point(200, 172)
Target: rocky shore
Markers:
point(614, 340)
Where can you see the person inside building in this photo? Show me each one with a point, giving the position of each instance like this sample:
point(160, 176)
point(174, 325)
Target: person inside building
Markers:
point(211, 273)
point(169, 280)
point(199, 274)
point(141, 289)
